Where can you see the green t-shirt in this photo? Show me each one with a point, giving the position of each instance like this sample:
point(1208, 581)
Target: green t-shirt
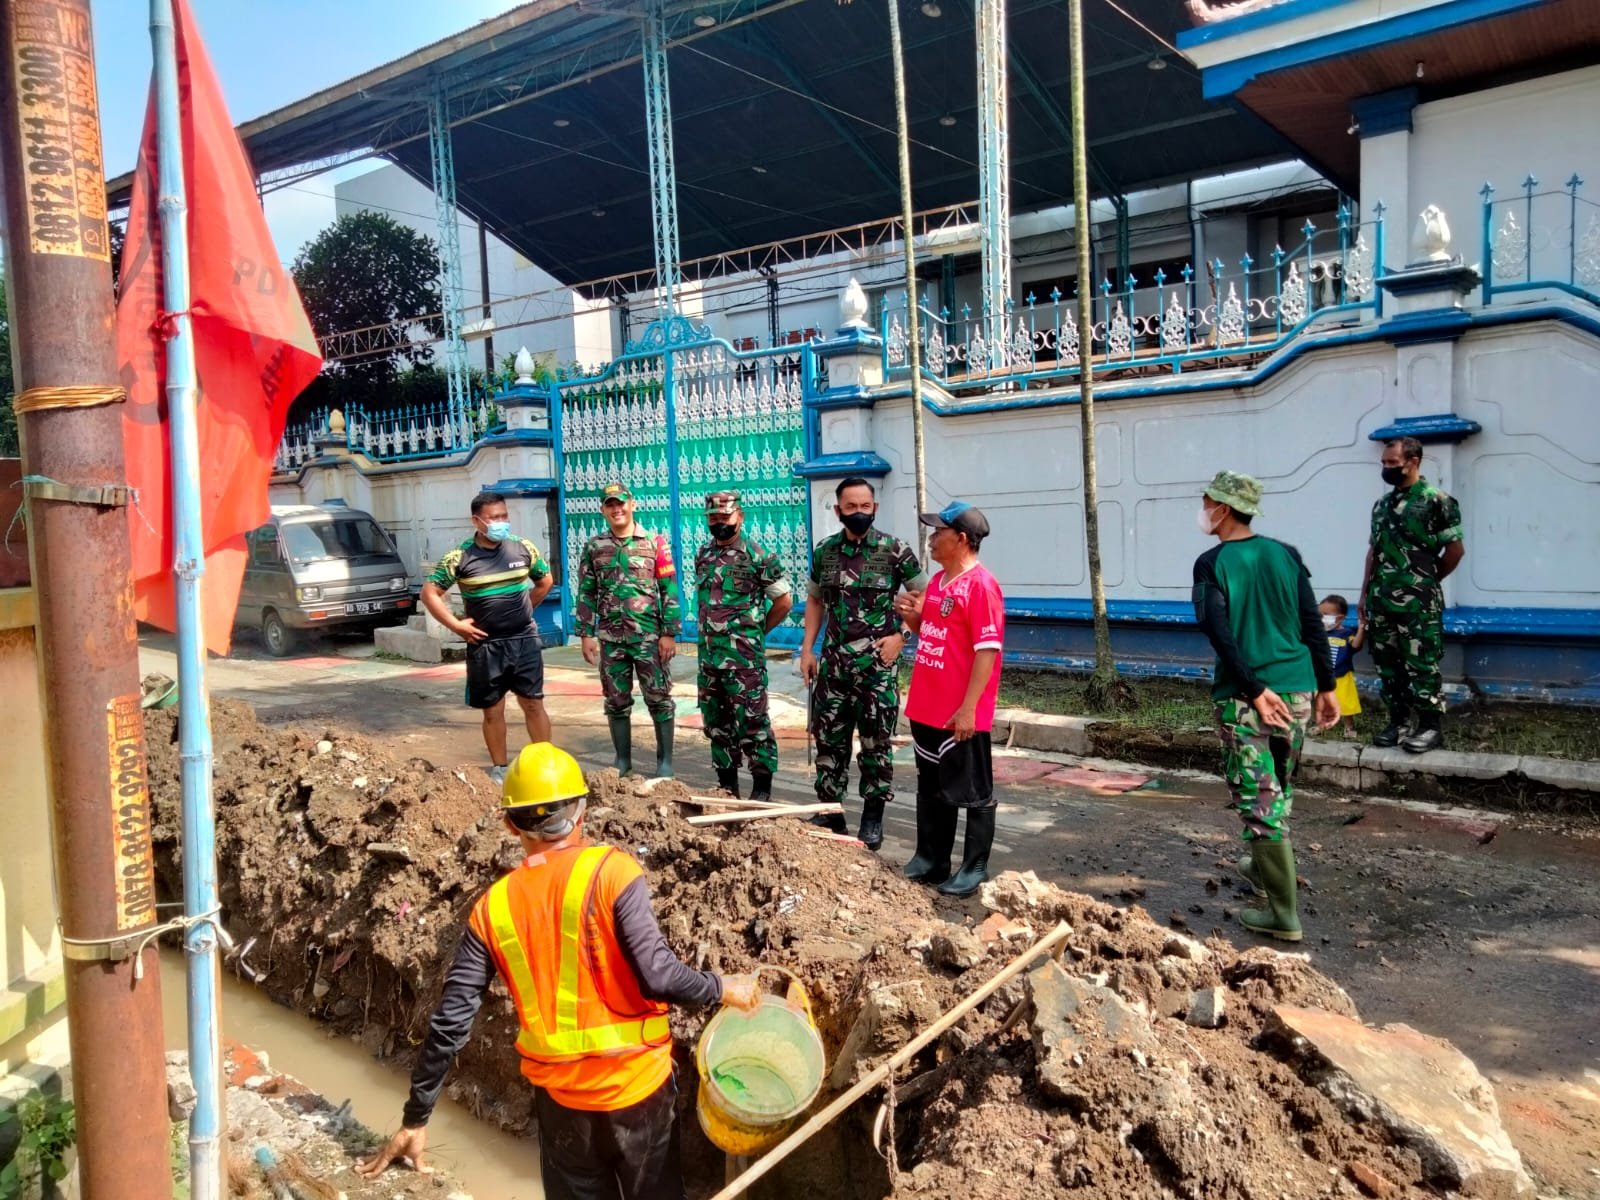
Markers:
point(1251, 598)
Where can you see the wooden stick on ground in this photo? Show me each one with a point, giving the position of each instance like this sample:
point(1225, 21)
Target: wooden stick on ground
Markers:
point(755, 814)
point(900, 1057)
point(729, 802)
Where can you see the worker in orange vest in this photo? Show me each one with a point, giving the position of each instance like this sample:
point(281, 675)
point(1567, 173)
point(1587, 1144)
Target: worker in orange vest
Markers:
point(571, 933)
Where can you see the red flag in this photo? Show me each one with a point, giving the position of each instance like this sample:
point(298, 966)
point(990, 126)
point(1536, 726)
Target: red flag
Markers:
point(254, 350)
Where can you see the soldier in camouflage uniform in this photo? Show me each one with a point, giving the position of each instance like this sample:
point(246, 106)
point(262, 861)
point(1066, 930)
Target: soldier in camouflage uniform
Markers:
point(741, 596)
point(1253, 600)
point(1415, 543)
point(854, 577)
point(626, 612)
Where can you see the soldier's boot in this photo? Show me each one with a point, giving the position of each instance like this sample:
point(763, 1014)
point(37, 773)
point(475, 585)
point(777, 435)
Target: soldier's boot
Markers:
point(1247, 868)
point(832, 822)
point(622, 743)
point(760, 785)
point(664, 732)
point(1429, 735)
point(870, 831)
point(728, 781)
point(1399, 726)
point(1280, 917)
point(975, 853)
point(936, 836)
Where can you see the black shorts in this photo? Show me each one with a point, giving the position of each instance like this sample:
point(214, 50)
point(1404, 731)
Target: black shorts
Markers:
point(959, 773)
point(501, 665)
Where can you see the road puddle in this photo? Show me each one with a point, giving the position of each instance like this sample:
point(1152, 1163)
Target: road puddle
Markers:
point(489, 1163)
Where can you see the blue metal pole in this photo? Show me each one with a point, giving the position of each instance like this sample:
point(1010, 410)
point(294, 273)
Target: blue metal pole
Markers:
point(194, 748)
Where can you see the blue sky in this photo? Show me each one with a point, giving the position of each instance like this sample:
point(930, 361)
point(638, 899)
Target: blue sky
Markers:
point(269, 53)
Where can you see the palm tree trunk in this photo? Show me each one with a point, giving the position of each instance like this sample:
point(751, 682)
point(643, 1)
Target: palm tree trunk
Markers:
point(913, 311)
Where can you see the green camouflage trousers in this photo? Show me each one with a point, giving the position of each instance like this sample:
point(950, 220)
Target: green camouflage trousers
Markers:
point(733, 704)
point(863, 697)
point(1406, 649)
point(1259, 763)
point(620, 662)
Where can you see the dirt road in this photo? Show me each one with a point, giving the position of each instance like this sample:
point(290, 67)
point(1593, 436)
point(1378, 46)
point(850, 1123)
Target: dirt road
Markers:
point(1481, 929)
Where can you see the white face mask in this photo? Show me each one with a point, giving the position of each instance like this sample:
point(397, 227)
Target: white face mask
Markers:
point(1205, 521)
point(1329, 621)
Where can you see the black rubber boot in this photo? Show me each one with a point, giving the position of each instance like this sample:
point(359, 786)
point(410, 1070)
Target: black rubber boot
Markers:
point(975, 853)
point(1429, 736)
point(622, 743)
point(832, 822)
point(870, 830)
point(1280, 918)
point(760, 785)
point(728, 780)
point(936, 835)
point(1399, 726)
point(664, 749)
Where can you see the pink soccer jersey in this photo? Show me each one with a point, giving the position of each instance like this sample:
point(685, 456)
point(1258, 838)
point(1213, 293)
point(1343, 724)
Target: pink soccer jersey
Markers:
point(959, 618)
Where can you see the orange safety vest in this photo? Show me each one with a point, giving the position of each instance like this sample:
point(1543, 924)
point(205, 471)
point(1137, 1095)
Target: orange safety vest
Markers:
point(585, 1025)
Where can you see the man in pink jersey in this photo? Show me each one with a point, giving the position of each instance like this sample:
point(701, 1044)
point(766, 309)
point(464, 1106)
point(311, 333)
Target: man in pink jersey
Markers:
point(960, 624)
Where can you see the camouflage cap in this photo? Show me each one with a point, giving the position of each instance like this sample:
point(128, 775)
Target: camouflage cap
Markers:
point(615, 491)
point(1242, 493)
point(718, 503)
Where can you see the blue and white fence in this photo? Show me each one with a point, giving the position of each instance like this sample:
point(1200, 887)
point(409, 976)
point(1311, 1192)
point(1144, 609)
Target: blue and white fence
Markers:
point(1537, 240)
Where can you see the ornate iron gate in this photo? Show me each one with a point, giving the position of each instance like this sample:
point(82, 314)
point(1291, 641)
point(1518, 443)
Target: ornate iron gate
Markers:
point(681, 413)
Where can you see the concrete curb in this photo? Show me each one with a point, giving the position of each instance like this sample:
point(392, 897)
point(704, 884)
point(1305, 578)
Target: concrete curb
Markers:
point(1348, 765)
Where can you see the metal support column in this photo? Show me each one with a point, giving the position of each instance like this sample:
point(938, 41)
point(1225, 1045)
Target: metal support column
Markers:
point(663, 172)
point(994, 176)
point(450, 287)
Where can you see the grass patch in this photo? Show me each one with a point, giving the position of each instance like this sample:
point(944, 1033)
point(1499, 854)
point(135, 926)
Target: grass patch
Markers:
point(1549, 731)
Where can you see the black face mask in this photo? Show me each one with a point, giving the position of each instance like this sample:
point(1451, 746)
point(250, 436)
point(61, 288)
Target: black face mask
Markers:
point(1394, 476)
point(723, 532)
point(857, 523)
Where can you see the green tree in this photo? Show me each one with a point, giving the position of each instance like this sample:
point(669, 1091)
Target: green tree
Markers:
point(9, 446)
point(367, 269)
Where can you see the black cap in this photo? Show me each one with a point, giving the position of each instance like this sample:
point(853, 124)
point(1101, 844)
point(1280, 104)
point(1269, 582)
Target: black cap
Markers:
point(960, 516)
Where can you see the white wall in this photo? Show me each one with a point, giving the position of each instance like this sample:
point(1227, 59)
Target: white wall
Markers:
point(1545, 127)
point(1527, 484)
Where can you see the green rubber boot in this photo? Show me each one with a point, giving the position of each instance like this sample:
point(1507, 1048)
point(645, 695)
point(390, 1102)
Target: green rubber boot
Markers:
point(1246, 867)
point(622, 743)
point(664, 731)
point(1280, 918)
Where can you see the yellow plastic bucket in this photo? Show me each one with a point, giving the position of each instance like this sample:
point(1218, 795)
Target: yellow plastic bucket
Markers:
point(759, 1071)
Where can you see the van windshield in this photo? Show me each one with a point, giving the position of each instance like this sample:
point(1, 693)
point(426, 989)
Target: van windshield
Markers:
point(308, 541)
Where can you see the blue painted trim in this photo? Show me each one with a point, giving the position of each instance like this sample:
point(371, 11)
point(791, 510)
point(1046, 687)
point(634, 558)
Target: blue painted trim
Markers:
point(1385, 112)
point(523, 396)
point(857, 396)
point(523, 488)
point(1460, 621)
point(1429, 325)
point(1225, 79)
point(840, 466)
point(1438, 427)
point(1411, 281)
point(848, 341)
point(518, 437)
point(1276, 15)
point(1548, 285)
point(1578, 696)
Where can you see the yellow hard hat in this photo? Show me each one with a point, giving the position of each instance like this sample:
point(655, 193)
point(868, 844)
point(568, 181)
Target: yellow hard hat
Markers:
point(543, 780)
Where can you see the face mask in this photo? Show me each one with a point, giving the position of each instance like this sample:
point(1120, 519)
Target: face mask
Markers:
point(1329, 621)
point(723, 532)
point(497, 531)
point(857, 523)
point(1394, 476)
point(1205, 521)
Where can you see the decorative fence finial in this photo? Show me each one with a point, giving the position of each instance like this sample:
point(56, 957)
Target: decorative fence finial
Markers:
point(853, 306)
point(1430, 241)
point(524, 365)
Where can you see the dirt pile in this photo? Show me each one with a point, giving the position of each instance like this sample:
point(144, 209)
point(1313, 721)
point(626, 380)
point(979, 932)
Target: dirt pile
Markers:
point(353, 873)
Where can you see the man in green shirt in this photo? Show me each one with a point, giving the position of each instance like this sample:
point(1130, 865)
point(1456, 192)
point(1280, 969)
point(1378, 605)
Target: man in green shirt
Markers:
point(1416, 542)
point(1253, 600)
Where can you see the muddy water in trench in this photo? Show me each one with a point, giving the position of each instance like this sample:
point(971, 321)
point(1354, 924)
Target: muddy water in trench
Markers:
point(488, 1163)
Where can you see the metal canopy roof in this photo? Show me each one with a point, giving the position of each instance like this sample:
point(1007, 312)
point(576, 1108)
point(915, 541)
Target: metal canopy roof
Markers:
point(783, 120)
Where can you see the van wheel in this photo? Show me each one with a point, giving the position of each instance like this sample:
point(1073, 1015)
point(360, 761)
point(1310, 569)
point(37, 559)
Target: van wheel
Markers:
point(277, 637)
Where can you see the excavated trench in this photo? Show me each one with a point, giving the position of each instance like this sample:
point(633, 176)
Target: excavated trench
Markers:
point(349, 874)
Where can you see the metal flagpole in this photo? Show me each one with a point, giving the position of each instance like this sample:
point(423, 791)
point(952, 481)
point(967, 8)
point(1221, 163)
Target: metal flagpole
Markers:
point(199, 820)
